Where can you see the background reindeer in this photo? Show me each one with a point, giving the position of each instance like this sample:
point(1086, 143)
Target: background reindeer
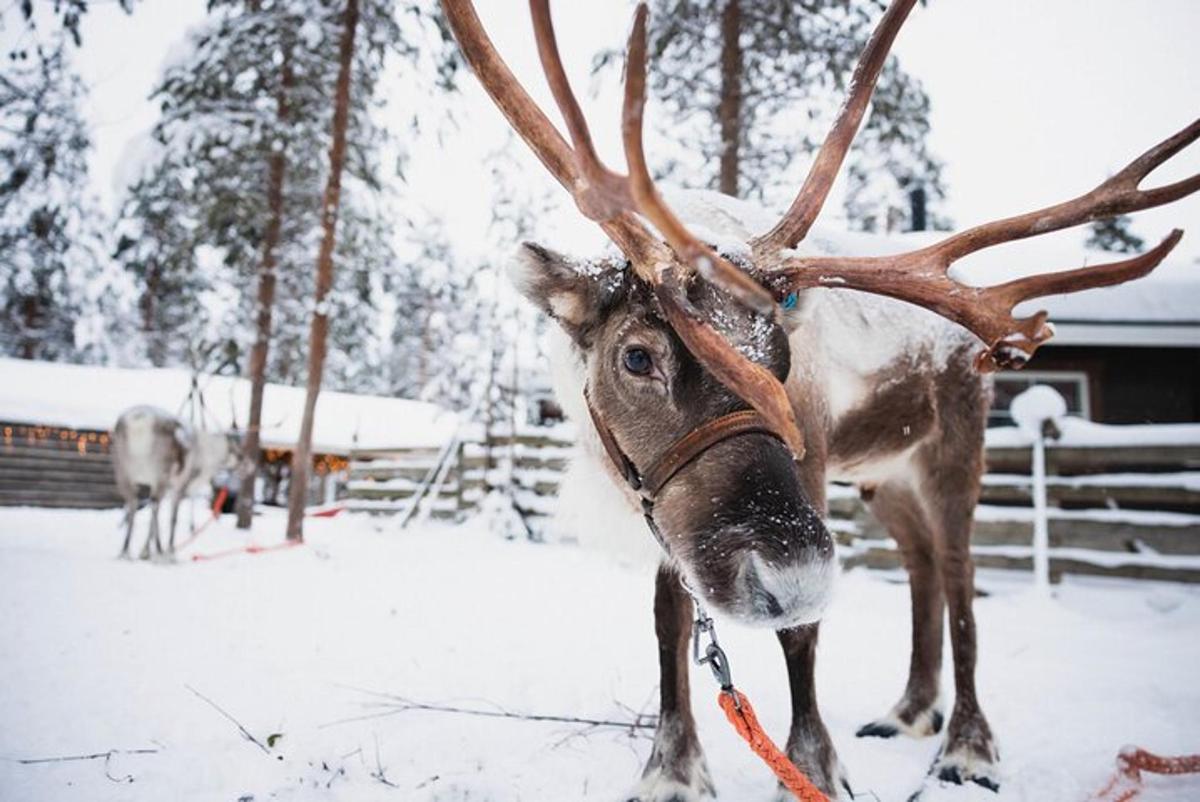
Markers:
point(155, 451)
point(724, 417)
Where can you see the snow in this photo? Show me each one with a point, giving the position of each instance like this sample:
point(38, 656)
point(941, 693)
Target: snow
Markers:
point(98, 654)
point(90, 397)
point(1080, 433)
point(1033, 407)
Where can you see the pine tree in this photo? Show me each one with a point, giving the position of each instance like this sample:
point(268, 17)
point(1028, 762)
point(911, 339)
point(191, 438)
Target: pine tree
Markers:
point(246, 120)
point(736, 76)
point(156, 245)
point(49, 234)
point(1113, 234)
point(330, 206)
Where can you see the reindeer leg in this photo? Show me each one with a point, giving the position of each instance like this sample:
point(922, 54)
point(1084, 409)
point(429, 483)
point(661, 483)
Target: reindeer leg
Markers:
point(918, 713)
point(152, 537)
point(676, 770)
point(955, 467)
point(969, 753)
point(808, 744)
point(130, 512)
point(174, 518)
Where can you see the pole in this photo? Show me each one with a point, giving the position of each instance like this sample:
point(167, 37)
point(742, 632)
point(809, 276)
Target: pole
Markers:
point(1041, 524)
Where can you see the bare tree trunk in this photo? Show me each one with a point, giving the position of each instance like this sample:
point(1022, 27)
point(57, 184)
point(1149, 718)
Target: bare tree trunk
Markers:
point(251, 444)
point(302, 456)
point(729, 107)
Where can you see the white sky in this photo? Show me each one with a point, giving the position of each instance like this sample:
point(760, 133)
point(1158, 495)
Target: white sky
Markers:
point(1034, 101)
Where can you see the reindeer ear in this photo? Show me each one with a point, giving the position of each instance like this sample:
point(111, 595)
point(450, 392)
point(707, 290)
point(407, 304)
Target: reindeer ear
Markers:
point(575, 293)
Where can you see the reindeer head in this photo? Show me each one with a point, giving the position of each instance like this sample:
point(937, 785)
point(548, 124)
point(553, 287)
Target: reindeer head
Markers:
point(678, 336)
point(729, 509)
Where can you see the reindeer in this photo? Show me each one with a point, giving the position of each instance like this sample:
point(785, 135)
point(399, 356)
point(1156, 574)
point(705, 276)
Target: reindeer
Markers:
point(721, 415)
point(153, 449)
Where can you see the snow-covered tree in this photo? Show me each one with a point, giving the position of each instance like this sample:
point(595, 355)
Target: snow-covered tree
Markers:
point(49, 227)
point(1114, 234)
point(751, 87)
point(68, 13)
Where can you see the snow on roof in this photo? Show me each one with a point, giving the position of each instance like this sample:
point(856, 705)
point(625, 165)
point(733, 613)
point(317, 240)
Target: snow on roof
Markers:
point(92, 397)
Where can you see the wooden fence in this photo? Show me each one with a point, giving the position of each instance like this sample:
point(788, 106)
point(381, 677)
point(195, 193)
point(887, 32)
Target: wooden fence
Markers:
point(1130, 511)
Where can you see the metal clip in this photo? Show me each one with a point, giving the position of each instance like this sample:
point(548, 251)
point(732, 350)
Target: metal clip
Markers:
point(714, 655)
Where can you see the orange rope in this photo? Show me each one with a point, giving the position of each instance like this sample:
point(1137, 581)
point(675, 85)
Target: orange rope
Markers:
point(1132, 761)
point(218, 503)
point(741, 715)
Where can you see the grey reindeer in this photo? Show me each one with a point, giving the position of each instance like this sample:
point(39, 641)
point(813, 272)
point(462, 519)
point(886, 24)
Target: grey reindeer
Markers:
point(153, 449)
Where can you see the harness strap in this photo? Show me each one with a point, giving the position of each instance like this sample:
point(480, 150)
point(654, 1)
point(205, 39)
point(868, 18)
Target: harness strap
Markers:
point(686, 449)
point(679, 454)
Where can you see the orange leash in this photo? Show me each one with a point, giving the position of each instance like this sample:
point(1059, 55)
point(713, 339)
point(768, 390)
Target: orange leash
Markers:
point(1132, 761)
point(218, 503)
point(741, 715)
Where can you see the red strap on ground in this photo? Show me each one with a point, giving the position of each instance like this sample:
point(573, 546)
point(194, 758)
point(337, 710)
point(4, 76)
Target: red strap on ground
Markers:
point(1126, 784)
point(251, 549)
point(327, 512)
point(741, 715)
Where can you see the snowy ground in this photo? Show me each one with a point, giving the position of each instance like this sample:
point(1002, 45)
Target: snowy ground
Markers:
point(97, 654)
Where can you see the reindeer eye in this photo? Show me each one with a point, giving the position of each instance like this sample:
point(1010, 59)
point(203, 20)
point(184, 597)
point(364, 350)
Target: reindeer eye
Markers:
point(637, 360)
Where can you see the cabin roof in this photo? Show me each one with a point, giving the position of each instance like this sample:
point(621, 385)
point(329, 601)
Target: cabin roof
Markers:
point(92, 397)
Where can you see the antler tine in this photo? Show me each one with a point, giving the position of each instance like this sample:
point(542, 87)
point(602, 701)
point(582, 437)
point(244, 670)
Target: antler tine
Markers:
point(800, 216)
point(1137, 170)
point(523, 114)
point(608, 193)
point(923, 276)
point(1118, 195)
point(987, 312)
point(691, 251)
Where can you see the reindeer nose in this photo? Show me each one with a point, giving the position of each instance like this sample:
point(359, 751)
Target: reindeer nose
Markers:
point(785, 595)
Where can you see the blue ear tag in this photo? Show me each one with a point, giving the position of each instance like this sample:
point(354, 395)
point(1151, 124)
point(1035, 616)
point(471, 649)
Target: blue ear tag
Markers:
point(790, 301)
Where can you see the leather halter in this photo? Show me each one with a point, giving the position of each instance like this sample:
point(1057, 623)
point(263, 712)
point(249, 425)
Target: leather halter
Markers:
point(649, 483)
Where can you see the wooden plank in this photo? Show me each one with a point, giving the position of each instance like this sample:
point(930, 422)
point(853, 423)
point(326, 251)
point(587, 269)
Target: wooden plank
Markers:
point(1178, 499)
point(889, 559)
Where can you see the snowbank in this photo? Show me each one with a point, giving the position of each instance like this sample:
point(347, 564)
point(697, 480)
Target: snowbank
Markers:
point(91, 397)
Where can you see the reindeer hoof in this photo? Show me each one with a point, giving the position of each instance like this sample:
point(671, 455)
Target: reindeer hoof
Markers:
point(878, 729)
point(819, 761)
point(964, 766)
point(898, 721)
point(657, 785)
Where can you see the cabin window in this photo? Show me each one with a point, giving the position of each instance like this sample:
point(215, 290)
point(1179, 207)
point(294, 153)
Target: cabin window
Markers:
point(1072, 385)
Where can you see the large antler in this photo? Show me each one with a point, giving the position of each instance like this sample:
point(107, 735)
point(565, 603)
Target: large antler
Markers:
point(923, 276)
point(615, 201)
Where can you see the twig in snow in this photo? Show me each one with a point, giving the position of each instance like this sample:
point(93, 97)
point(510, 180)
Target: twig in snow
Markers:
point(128, 778)
point(379, 773)
point(245, 732)
point(398, 704)
point(96, 756)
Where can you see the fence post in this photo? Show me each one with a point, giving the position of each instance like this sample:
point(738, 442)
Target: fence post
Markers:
point(1036, 411)
point(1041, 522)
